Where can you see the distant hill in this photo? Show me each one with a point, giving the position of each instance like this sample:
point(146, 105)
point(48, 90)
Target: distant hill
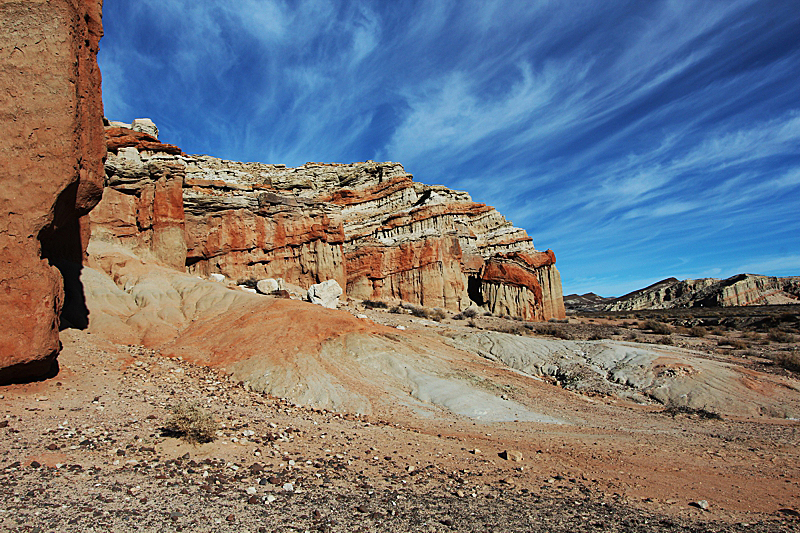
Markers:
point(585, 302)
point(670, 293)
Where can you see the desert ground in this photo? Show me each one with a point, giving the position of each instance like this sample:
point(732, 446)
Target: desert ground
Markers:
point(90, 449)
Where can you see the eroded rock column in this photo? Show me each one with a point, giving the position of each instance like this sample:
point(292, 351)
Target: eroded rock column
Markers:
point(52, 154)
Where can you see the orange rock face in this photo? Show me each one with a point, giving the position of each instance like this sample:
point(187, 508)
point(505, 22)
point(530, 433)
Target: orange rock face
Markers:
point(368, 226)
point(52, 172)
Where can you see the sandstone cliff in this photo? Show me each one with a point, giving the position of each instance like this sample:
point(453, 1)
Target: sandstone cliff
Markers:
point(369, 226)
point(739, 290)
point(52, 171)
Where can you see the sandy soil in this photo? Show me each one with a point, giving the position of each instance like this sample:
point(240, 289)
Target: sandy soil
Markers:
point(86, 451)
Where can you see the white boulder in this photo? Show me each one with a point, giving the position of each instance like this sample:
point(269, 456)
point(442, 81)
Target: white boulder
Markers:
point(269, 285)
point(219, 278)
point(325, 294)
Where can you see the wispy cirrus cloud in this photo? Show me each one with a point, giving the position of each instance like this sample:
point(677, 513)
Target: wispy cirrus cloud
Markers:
point(640, 140)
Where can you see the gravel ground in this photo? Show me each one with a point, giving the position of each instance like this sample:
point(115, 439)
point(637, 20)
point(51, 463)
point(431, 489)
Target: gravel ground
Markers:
point(87, 451)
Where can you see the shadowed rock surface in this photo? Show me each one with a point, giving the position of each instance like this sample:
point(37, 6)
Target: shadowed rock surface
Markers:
point(52, 172)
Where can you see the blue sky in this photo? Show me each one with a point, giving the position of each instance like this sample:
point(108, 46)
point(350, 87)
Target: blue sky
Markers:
point(637, 139)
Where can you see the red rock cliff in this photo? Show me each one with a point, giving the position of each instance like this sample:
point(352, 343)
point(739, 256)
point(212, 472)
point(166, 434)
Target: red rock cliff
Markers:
point(52, 171)
point(369, 226)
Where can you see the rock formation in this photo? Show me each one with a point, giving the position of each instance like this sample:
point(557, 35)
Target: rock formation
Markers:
point(368, 226)
point(739, 290)
point(52, 172)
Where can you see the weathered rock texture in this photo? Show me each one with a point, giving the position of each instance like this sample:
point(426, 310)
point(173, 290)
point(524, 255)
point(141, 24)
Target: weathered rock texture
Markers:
point(368, 226)
point(739, 290)
point(52, 171)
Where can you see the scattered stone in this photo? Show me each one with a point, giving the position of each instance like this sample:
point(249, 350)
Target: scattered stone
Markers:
point(511, 455)
point(700, 504)
point(269, 285)
point(325, 294)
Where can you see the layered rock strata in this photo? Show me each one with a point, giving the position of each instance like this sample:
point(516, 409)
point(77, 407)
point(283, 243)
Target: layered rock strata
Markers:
point(739, 290)
point(52, 172)
point(368, 226)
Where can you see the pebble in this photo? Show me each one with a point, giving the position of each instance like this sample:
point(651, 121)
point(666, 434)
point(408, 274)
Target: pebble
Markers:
point(701, 504)
point(288, 487)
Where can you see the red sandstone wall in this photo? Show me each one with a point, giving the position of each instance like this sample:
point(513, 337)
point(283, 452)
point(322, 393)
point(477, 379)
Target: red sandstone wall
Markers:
point(52, 155)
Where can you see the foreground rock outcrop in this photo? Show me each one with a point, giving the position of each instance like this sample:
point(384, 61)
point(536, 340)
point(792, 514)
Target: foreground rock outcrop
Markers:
point(739, 290)
point(368, 226)
point(52, 172)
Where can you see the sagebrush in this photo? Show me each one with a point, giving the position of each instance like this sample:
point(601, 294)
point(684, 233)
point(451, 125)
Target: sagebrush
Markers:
point(192, 423)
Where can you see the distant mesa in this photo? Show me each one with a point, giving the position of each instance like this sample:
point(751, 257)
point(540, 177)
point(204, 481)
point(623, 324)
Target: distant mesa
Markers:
point(671, 293)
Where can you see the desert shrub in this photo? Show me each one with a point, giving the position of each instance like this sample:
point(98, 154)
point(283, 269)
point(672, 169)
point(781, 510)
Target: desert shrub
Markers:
point(250, 283)
point(680, 330)
point(733, 343)
point(657, 327)
point(469, 312)
point(547, 329)
point(632, 336)
point(702, 412)
point(421, 312)
point(488, 313)
point(698, 331)
point(788, 360)
point(437, 314)
point(396, 310)
point(375, 304)
point(514, 329)
point(751, 335)
point(597, 336)
point(192, 423)
point(666, 339)
point(459, 316)
point(472, 324)
point(777, 335)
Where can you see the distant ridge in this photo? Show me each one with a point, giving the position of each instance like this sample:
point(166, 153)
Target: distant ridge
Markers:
point(671, 293)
